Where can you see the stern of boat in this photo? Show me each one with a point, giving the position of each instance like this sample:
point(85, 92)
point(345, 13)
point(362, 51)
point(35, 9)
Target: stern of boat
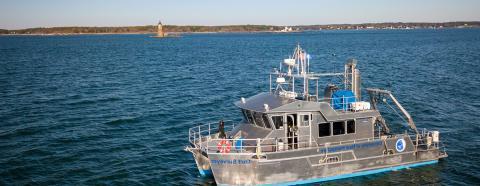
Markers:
point(199, 138)
point(201, 160)
point(430, 146)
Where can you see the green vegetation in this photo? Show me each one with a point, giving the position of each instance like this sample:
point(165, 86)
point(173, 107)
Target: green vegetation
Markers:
point(2, 31)
point(398, 25)
point(227, 28)
point(86, 30)
point(233, 28)
point(143, 29)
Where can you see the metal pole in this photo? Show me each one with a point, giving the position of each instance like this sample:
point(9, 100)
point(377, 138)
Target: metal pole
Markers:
point(305, 85)
point(199, 137)
point(345, 79)
point(194, 139)
point(293, 84)
point(276, 145)
point(317, 91)
point(259, 149)
point(270, 90)
point(352, 83)
point(310, 124)
point(416, 143)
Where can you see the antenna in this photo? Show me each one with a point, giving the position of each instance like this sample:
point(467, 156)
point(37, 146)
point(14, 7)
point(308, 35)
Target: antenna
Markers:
point(299, 61)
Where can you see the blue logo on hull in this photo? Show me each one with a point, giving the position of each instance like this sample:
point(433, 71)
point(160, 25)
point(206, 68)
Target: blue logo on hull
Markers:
point(400, 145)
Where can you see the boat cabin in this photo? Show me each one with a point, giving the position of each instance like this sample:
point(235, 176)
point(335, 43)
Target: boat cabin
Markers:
point(299, 123)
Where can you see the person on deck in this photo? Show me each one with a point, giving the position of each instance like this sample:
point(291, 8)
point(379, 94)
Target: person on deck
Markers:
point(221, 130)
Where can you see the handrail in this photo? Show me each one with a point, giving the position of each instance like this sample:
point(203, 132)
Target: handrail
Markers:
point(423, 136)
point(273, 144)
point(205, 130)
point(203, 137)
point(344, 105)
point(251, 145)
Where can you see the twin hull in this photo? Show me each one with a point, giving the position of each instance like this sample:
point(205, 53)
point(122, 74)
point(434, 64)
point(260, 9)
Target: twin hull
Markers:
point(313, 165)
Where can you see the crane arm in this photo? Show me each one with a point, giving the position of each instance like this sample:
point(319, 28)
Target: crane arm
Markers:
point(374, 91)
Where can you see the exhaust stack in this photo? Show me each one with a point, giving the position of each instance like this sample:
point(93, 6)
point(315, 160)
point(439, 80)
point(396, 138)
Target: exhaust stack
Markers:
point(352, 78)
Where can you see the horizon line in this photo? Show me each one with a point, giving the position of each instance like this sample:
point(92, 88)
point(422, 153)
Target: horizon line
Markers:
point(394, 22)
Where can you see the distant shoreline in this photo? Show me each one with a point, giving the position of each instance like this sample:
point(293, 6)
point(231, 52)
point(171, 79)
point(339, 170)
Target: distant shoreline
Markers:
point(174, 29)
point(141, 33)
point(182, 33)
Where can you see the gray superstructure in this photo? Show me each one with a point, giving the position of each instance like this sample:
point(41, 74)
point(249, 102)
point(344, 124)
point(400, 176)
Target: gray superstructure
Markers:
point(295, 134)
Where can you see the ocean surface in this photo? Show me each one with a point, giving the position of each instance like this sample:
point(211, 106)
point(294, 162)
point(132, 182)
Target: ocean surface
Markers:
point(115, 109)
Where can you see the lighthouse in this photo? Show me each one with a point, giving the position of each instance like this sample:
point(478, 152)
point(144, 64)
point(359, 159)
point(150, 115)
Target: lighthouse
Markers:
point(160, 32)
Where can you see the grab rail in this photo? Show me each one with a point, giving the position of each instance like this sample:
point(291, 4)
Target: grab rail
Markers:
point(423, 138)
point(196, 133)
point(205, 137)
point(340, 103)
point(260, 146)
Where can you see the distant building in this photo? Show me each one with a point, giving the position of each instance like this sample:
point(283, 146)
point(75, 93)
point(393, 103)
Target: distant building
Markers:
point(287, 29)
point(160, 31)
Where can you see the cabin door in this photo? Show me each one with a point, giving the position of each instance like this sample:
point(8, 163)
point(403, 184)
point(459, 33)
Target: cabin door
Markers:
point(304, 129)
point(292, 131)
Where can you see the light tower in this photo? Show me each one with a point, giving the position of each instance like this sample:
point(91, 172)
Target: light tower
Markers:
point(160, 32)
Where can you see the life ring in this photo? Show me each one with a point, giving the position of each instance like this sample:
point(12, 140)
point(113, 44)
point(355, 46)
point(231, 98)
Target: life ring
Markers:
point(224, 146)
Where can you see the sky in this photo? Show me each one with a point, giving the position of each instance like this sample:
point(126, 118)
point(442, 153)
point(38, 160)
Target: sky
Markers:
point(19, 14)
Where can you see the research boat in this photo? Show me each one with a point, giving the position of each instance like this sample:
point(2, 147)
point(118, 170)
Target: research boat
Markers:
point(294, 135)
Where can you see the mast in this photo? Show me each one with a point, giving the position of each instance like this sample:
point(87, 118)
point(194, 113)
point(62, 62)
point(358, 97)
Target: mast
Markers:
point(299, 61)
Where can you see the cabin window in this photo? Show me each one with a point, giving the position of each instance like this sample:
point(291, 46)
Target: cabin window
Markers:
point(244, 115)
point(350, 126)
point(338, 128)
point(305, 120)
point(323, 129)
point(265, 121)
point(258, 119)
point(249, 116)
point(278, 121)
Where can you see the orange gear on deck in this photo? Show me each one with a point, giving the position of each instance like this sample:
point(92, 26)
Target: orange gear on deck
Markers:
point(224, 146)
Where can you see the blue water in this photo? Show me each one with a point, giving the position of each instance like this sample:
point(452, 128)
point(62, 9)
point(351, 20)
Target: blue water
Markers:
point(114, 109)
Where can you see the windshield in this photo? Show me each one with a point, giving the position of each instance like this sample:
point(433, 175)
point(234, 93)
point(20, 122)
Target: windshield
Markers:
point(256, 118)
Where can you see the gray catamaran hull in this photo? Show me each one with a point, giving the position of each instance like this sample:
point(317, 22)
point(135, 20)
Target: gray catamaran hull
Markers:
point(357, 160)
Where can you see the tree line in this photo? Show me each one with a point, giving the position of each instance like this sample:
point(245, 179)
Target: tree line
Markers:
point(232, 28)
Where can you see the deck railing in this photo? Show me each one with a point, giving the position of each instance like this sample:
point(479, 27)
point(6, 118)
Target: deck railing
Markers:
point(203, 131)
point(205, 137)
point(257, 146)
point(424, 144)
point(339, 104)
